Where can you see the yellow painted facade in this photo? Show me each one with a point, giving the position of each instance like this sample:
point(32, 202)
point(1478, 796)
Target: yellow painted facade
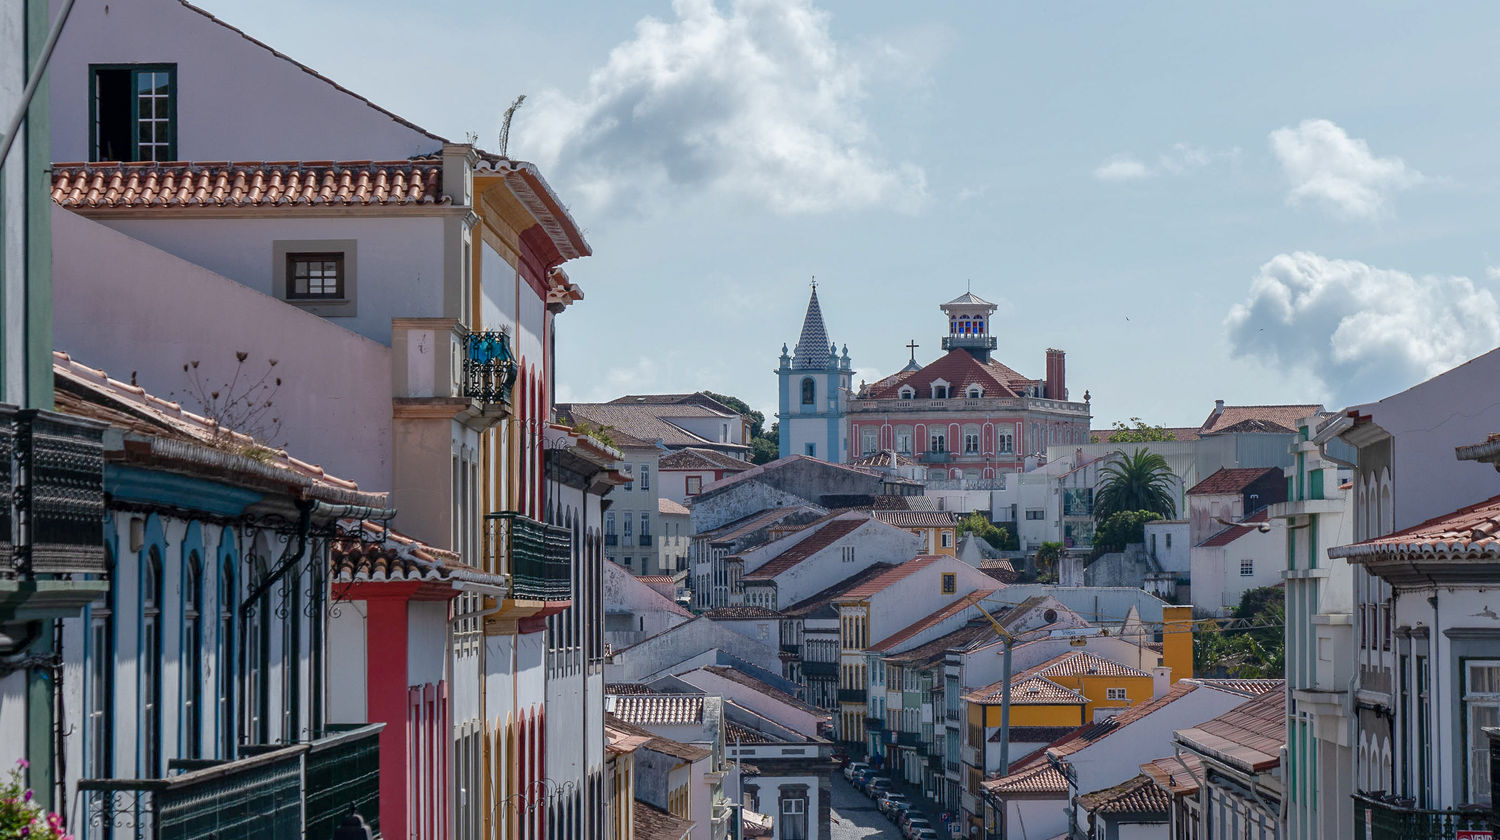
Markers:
point(1126, 691)
point(987, 715)
point(939, 540)
point(1177, 641)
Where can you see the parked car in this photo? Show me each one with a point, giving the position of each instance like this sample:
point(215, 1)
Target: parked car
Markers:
point(926, 834)
point(854, 767)
point(903, 822)
point(876, 785)
point(916, 826)
point(862, 778)
point(888, 799)
point(898, 811)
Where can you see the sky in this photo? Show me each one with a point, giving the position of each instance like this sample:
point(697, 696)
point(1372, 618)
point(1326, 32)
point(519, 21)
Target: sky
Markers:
point(1278, 203)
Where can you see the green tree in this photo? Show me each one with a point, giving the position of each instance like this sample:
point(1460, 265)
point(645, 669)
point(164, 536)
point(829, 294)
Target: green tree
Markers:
point(1047, 555)
point(977, 524)
point(1139, 481)
point(1136, 431)
point(1256, 653)
point(1122, 529)
point(764, 443)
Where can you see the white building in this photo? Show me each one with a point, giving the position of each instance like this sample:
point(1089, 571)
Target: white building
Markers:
point(810, 560)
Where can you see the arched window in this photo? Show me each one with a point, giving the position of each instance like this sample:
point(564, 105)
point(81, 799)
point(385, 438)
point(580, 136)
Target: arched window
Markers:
point(101, 676)
point(809, 391)
point(258, 650)
point(940, 390)
point(227, 605)
point(907, 392)
point(192, 664)
point(975, 392)
point(151, 625)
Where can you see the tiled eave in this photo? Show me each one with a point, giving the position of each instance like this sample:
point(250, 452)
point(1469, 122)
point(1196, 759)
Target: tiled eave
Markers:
point(526, 183)
point(1431, 566)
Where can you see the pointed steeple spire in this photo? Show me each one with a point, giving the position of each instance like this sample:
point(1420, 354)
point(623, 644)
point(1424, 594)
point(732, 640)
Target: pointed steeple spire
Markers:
point(810, 353)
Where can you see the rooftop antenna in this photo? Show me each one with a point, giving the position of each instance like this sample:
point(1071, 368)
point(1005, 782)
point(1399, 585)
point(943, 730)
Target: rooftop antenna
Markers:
point(968, 284)
point(510, 114)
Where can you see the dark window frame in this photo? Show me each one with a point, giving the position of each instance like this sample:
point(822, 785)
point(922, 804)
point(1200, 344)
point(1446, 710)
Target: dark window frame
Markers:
point(135, 144)
point(340, 277)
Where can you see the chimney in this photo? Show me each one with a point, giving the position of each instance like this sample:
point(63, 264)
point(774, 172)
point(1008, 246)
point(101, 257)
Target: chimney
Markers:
point(1218, 408)
point(1161, 681)
point(1057, 379)
point(1177, 640)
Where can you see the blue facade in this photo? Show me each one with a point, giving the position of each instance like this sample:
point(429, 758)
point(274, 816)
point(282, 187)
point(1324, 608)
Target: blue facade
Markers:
point(814, 385)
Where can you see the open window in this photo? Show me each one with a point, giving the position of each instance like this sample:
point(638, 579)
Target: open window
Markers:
point(133, 112)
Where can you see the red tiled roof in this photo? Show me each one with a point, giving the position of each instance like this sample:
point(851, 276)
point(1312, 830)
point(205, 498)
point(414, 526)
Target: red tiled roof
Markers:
point(652, 823)
point(660, 709)
point(387, 556)
point(1286, 417)
point(1228, 480)
point(1028, 691)
point(1033, 734)
point(1234, 532)
point(959, 369)
point(918, 518)
point(656, 578)
point(222, 184)
point(694, 458)
point(827, 596)
point(741, 611)
point(1246, 688)
point(1137, 797)
point(1172, 777)
point(825, 536)
point(1469, 532)
point(1093, 733)
point(925, 622)
point(1249, 737)
point(936, 650)
point(657, 743)
point(1041, 780)
point(731, 531)
point(889, 578)
point(1083, 663)
point(667, 507)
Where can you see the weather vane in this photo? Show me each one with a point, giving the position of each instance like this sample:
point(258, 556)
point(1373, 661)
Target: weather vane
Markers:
point(815, 282)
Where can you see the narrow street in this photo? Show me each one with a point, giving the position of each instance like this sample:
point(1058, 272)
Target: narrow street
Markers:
point(854, 816)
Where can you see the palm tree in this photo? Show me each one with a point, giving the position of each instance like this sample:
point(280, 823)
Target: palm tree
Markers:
point(1140, 481)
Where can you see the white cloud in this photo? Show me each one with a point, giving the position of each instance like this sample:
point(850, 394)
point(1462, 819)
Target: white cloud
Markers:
point(1121, 168)
point(1180, 159)
point(1362, 331)
point(1325, 165)
point(757, 101)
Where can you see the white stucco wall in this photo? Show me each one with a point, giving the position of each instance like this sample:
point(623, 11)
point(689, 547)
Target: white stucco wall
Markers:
point(1173, 558)
point(276, 110)
point(920, 594)
point(873, 542)
point(1215, 570)
point(426, 635)
point(130, 308)
point(347, 663)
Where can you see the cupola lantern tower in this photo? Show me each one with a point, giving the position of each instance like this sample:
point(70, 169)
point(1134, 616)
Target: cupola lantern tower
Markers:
point(815, 379)
point(969, 325)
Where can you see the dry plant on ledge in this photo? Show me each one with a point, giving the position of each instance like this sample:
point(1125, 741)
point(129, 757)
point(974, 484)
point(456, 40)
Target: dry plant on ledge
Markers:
point(245, 405)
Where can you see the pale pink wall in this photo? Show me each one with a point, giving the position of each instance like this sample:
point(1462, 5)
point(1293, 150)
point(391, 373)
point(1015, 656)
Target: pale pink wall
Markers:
point(236, 100)
point(127, 307)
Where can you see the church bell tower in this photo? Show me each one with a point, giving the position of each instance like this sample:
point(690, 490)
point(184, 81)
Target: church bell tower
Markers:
point(815, 380)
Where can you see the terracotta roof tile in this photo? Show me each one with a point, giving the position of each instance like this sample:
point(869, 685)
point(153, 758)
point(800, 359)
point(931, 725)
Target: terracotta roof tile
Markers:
point(1138, 797)
point(812, 603)
point(890, 578)
point(1029, 691)
point(1091, 734)
point(746, 525)
point(931, 619)
point(1246, 688)
point(1249, 736)
point(695, 458)
point(918, 518)
point(1039, 781)
point(1033, 734)
point(658, 743)
point(657, 709)
point(1170, 775)
point(289, 184)
point(959, 369)
point(1084, 663)
point(383, 555)
point(738, 733)
point(1469, 532)
point(1228, 480)
point(1285, 417)
point(825, 536)
point(652, 823)
point(936, 650)
point(741, 611)
point(1234, 532)
point(647, 423)
point(667, 507)
point(656, 578)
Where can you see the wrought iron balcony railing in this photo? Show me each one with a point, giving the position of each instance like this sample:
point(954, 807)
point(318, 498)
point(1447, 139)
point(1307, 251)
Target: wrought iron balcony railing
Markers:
point(611, 539)
point(54, 497)
point(930, 457)
point(538, 557)
point(874, 724)
point(813, 668)
point(1394, 820)
point(489, 367)
point(852, 695)
point(293, 790)
point(645, 540)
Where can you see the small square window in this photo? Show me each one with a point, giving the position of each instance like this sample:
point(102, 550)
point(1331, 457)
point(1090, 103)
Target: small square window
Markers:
point(812, 450)
point(947, 539)
point(694, 485)
point(1247, 568)
point(950, 583)
point(1114, 694)
point(315, 276)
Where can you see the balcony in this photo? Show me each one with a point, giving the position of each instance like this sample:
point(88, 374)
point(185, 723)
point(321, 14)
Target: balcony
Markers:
point(969, 342)
point(852, 695)
point(930, 457)
point(874, 724)
point(1376, 819)
point(611, 539)
point(906, 739)
point(820, 669)
point(295, 790)
point(538, 557)
point(645, 540)
point(489, 369)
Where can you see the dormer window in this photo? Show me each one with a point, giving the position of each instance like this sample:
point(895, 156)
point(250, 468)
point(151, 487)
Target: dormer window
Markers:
point(939, 389)
point(907, 392)
point(975, 392)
